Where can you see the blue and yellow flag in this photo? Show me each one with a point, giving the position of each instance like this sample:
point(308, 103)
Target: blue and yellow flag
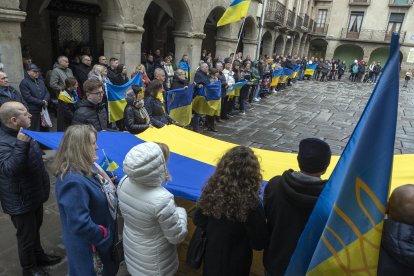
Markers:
point(235, 12)
point(116, 97)
point(343, 233)
point(208, 99)
point(286, 74)
point(108, 165)
point(310, 69)
point(295, 69)
point(276, 74)
point(179, 104)
point(235, 89)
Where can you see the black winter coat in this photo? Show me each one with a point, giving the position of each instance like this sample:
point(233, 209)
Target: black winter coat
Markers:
point(230, 244)
point(156, 112)
point(201, 78)
point(397, 249)
point(133, 120)
point(177, 83)
point(89, 113)
point(119, 79)
point(24, 182)
point(288, 202)
point(81, 72)
point(34, 92)
point(14, 95)
point(65, 113)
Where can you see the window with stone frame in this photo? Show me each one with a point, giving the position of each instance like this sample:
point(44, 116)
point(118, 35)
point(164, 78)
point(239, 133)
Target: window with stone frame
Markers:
point(395, 23)
point(355, 22)
point(320, 23)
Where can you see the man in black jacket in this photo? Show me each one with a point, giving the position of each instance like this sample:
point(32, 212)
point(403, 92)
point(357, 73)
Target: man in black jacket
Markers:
point(91, 110)
point(24, 187)
point(7, 92)
point(35, 94)
point(82, 70)
point(397, 245)
point(201, 79)
point(289, 200)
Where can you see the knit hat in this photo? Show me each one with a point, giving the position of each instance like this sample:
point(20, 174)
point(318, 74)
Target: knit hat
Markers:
point(314, 155)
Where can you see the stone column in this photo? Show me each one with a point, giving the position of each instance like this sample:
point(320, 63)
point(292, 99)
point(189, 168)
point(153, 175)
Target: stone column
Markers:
point(123, 42)
point(249, 47)
point(289, 46)
point(296, 45)
point(225, 46)
point(187, 43)
point(10, 48)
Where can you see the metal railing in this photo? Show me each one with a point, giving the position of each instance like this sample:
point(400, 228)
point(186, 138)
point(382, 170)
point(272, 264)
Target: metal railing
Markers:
point(306, 21)
point(360, 2)
point(299, 22)
point(280, 12)
point(320, 28)
point(270, 14)
point(401, 2)
point(290, 22)
point(370, 35)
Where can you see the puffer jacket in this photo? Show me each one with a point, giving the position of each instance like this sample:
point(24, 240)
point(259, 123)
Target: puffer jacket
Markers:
point(24, 182)
point(134, 122)
point(153, 224)
point(92, 114)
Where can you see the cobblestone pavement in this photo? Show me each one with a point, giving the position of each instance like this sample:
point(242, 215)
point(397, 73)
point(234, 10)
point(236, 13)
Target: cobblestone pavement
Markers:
point(325, 110)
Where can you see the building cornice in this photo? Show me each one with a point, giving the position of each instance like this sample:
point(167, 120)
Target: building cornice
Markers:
point(7, 15)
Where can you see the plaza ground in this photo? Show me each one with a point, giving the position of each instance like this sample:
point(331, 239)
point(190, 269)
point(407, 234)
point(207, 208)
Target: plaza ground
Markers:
point(308, 109)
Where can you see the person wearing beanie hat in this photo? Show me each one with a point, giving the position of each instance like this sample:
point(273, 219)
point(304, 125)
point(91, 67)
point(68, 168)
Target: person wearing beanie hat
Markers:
point(289, 200)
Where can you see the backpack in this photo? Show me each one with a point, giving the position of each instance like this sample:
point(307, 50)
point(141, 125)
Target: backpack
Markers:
point(355, 68)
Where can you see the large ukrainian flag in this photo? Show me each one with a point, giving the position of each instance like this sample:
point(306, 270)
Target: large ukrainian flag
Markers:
point(276, 74)
point(343, 234)
point(208, 99)
point(179, 104)
point(286, 74)
point(116, 97)
point(235, 12)
point(310, 69)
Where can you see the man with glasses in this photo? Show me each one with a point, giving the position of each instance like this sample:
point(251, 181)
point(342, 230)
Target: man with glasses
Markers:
point(35, 94)
point(7, 92)
point(91, 110)
point(82, 70)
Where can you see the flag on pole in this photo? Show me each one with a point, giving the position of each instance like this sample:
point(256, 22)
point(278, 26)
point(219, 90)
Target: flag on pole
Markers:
point(343, 233)
point(116, 97)
point(235, 12)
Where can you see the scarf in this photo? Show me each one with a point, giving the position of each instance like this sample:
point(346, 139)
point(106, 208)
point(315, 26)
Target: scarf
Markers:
point(107, 188)
point(139, 104)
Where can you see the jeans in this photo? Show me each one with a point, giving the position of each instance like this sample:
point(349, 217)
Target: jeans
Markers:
point(405, 83)
point(244, 93)
point(257, 91)
point(28, 237)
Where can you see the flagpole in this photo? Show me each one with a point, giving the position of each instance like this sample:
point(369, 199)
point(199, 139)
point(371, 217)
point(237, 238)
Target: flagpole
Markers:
point(238, 40)
point(262, 19)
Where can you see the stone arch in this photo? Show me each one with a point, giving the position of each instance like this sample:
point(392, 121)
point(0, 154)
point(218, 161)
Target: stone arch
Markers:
point(216, 35)
point(249, 29)
point(381, 54)
point(317, 47)
point(279, 45)
point(349, 53)
point(266, 44)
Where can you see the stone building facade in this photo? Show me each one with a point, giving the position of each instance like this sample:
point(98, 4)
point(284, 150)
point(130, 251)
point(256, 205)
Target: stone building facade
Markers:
point(361, 29)
point(125, 28)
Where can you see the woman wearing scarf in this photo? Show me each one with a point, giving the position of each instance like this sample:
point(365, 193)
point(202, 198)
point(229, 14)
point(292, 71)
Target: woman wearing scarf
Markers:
point(136, 118)
point(66, 104)
point(87, 204)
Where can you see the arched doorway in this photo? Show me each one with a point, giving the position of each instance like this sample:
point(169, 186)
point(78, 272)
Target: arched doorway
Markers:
point(318, 47)
point(212, 31)
point(266, 44)
point(279, 45)
point(162, 18)
point(381, 54)
point(349, 53)
point(248, 41)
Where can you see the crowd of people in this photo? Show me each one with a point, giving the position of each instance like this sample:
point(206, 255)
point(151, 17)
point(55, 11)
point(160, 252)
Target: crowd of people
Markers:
point(231, 211)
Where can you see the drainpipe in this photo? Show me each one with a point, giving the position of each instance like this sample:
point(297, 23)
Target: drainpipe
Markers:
point(261, 26)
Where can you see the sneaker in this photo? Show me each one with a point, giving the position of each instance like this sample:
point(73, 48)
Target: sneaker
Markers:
point(256, 100)
point(242, 113)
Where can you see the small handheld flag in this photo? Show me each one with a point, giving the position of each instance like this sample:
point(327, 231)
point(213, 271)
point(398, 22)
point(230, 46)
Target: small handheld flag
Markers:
point(107, 164)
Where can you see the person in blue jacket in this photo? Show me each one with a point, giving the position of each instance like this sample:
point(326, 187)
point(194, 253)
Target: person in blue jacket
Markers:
point(185, 65)
point(87, 204)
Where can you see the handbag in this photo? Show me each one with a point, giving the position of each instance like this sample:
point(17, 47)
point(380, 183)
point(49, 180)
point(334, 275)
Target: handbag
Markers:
point(197, 248)
point(45, 118)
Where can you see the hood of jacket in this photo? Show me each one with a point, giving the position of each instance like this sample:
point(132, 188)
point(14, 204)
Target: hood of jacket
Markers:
point(398, 240)
point(301, 189)
point(145, 165)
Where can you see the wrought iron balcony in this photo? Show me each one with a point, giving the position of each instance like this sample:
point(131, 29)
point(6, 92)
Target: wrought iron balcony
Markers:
point(275, 13)
point(299, 22)
point(401, 3)
point(359, 2)
point(290, 19)
point(280, 13)
point(370, 35)
point(320, 29)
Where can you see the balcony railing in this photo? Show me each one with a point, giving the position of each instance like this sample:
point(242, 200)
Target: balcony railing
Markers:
point(370, 35)
point(306, 21)
point(320, 28)
point(401, 3)
point(280, 12)
point(299, 22)
point(290, 19)
point(275, 13)
point(359, 2)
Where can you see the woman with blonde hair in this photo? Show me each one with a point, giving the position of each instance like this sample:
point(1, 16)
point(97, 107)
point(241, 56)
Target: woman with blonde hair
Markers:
point(153, 224)
point(87, 204)
point(231, 214)
point(144, 76)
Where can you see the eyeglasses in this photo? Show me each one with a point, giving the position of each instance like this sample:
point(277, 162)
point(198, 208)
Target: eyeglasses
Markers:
point(98, 93)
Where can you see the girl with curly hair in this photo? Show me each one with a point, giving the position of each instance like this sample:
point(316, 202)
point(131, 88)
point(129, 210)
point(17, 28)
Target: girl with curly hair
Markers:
point(231, 214)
